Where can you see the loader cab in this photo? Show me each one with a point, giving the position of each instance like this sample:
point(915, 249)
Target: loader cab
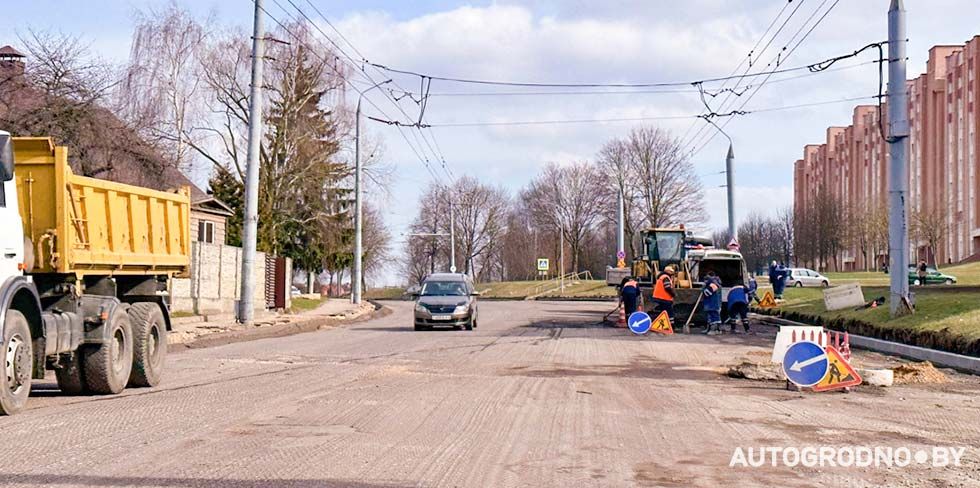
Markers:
point(661, 247)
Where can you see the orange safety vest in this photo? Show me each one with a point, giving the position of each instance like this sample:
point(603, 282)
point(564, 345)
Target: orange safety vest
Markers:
point(660, 290)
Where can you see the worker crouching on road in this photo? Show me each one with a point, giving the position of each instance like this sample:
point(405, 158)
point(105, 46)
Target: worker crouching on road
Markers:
point(629, 295)
point(738, 306)
point(663, 293)
point(712, 303)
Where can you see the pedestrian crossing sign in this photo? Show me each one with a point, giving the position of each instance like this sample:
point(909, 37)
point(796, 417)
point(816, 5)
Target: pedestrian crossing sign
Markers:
point(768, 300)
point(661, 324)
point(840, 373)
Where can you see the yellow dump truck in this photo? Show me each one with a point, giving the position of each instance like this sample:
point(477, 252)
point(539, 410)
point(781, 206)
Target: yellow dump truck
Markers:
point(85, 274)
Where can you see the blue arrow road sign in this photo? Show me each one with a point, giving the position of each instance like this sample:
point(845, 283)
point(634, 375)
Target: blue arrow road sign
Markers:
point(639, 322)
point(805, 363)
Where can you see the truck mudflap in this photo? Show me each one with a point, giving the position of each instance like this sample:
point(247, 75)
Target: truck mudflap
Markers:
point(96, 310)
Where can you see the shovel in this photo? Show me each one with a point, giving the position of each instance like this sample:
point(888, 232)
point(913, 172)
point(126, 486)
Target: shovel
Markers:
point(687, 325)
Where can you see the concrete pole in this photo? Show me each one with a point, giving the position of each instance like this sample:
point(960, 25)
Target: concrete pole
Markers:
point(621, 226)
point(452, 239)
point(730, 176)
point(358, 271)
point(246, 309)
point(355, 289)
point(898, 171)
point(561, 254)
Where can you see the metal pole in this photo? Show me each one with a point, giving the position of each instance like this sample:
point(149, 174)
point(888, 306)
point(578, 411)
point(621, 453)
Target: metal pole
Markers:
point(730, 177)
point(621, 226)
point(246, 310)
point(357, 272)
point(898, 172)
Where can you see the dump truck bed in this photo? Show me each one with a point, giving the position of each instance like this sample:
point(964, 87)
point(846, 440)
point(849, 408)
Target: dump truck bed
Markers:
point(87, 226)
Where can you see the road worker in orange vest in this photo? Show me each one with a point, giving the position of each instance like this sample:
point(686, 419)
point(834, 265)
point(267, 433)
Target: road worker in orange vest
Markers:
point(663, 293)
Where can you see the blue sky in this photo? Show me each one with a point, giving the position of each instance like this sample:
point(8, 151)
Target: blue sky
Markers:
point(576, 40)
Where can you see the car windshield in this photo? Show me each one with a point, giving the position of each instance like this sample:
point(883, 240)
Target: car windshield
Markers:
point(443, 288)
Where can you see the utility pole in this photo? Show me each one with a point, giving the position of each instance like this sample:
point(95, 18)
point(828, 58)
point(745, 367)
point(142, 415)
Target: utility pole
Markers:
point(898, 170)
point(620, 226)
point(561, 254)
point(358, 271)
point(730, 177)
point(452, 239)
point(246, 309)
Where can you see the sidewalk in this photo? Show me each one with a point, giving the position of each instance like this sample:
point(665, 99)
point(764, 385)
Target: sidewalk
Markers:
point(189, 329)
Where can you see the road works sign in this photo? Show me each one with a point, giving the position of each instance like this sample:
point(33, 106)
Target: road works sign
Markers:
point(639, 323)
point(768, 300)
point(839, 375)
point(805, 363)
point(662, 324)
point(543, 264)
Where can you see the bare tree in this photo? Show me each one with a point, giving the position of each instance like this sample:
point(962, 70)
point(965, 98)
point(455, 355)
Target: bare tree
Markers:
point(161, 89)
point(669, 191)
point(566, 199)
point(932, 228)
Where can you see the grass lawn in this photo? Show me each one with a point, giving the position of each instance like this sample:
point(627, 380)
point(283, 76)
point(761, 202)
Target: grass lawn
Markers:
point(945, 318)
point(386, 293)
point(300, 304)
point(520, 289)
point(966, 274)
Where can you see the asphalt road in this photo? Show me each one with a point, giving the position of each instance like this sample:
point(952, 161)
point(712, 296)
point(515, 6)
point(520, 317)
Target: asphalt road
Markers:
point(539, 395)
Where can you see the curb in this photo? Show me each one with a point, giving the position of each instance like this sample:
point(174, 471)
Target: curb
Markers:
point(959, 362)
point(281, 330)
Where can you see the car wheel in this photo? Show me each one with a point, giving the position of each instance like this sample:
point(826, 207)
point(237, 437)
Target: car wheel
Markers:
point(799, 284)
point(420, 327)
point(825, 284)
point(469, 324)
point(949, 282)
point(149, 344)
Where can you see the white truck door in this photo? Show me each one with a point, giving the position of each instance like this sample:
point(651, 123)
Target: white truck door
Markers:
point(12, 233)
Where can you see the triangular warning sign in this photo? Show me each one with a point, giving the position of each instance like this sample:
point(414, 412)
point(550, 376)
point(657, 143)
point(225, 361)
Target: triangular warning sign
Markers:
point(840, 374)
point(768, 301)
point(661, 324)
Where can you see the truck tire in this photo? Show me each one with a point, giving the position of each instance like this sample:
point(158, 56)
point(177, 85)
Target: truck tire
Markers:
point(70, 378)
point(149, 343)
point(18, 362)
point(106, 368)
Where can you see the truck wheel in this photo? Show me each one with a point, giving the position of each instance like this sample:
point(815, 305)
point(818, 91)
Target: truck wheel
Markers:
point(107, 368)
point(149, 344)
point(18, 358)
point(70, 379)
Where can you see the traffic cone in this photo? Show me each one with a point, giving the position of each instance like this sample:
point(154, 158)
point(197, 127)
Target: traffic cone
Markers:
point(622, 317)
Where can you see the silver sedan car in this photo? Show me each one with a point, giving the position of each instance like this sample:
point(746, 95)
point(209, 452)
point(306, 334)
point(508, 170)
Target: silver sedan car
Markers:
point(446, 299)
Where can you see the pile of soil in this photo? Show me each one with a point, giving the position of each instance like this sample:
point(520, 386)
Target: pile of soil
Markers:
point(923, 372)
point(756, 371)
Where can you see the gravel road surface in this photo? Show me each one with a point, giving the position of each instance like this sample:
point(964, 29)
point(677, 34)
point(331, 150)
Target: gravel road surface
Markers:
point(541, 394)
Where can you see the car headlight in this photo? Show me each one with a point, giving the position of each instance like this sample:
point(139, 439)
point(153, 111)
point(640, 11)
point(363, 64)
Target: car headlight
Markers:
point(461, 309)
point(420, 308)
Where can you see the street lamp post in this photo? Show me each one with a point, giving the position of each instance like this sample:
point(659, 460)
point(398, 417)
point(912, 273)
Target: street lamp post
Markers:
point(356, 277)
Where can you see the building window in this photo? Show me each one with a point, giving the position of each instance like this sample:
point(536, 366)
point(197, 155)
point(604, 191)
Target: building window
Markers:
point(205, 231)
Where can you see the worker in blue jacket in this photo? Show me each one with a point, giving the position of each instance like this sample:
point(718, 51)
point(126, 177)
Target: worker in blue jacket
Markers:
point(712, 302)
point(738, 307)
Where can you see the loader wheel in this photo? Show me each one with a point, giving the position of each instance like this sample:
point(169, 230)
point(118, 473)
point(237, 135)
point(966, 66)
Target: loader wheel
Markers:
point(18, 361)
point(108, 366)
point(70, 376)
point(149, 344)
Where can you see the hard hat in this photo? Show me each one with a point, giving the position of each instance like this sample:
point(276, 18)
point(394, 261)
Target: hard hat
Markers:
point(669, 269)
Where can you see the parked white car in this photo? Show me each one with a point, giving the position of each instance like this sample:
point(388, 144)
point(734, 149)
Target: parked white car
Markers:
point(806, 277)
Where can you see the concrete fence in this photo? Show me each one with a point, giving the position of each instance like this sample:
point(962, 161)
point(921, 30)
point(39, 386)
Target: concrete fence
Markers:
point(215, 282)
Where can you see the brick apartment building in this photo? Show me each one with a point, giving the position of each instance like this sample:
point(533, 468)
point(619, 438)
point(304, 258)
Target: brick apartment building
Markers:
point(850, 168)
